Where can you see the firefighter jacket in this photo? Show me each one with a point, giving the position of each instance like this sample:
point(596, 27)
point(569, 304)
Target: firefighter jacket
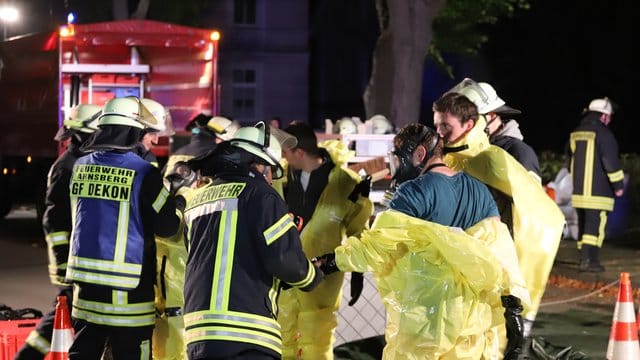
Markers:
point(242, 244)
point(537, 220)
point(595, 166)
point(510, 138)
point(457, 314)
point(56, 220)
point(118, 202)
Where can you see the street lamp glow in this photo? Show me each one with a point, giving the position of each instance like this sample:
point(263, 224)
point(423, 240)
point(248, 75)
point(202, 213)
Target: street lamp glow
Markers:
point(9, 14)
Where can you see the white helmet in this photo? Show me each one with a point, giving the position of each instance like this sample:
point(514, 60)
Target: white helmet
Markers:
point(164, 126)
point(126, 111)
point(345, 125)
point(381, 125)
point(259, 142)
point(603, 105)
point(484, 96)
point(84, 118)
point(223, 127)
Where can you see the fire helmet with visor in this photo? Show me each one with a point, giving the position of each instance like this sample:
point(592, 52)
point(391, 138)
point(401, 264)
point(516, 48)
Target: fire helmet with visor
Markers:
point(258, 141)
point(484, 96)
point(126, 111)
point(164, 123)
point(84, 119)
point(222, 127)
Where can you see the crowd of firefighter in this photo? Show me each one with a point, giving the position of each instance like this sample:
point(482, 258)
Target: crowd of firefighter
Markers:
point(236, 248)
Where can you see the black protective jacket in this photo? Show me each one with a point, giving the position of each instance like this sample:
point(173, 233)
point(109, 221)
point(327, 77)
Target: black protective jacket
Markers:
point(595, 165)
point(242, 244)
point(56, 220)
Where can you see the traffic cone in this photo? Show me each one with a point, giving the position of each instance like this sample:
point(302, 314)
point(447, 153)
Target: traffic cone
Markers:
point(623, 339)
point(62, 331)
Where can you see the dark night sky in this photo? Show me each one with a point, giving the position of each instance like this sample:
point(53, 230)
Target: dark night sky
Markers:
point(551, 60)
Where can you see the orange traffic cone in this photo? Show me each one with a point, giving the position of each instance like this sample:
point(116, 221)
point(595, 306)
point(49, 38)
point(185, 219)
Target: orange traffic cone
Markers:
point(62, 331)
point(623, 339)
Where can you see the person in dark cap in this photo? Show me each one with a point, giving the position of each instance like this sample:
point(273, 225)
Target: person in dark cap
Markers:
point(333, 203)
point(243, 247)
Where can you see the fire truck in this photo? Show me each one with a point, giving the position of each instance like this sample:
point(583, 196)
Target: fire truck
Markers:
point(44, 76)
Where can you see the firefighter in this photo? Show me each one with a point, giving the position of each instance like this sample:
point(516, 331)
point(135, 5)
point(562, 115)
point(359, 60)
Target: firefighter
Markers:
point(56, 221)
point(206, 133)
point(118, 203)
point(243, 246)
point(597, 179)
point(333, 203)
point(502, 129)
point(536, 221)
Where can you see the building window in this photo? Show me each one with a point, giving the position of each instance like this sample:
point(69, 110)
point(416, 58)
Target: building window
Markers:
point(244, 12)
point(244, 95)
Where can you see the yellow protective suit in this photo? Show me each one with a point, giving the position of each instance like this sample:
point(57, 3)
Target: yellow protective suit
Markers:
point(308, 319)
point(537, 220)
point(441, 286)
point(171, 256)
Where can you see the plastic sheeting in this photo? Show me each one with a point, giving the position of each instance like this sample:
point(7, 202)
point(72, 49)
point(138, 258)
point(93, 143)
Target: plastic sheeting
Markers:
point(168, 334)
point(441, 286)
point(537, 220)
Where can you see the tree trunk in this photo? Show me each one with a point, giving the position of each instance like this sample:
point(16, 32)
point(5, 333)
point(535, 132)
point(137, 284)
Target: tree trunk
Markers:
point(377, 95)
point(141, 10)
point(395, 87)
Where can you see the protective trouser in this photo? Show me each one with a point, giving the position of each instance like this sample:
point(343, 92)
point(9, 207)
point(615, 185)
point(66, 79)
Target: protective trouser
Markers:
point(126, 343)
point(308, 319)
point(38, 342)
point(168, 335)
point(591, 227)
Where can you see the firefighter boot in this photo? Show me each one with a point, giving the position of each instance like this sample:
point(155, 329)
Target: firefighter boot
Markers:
point(589, 261)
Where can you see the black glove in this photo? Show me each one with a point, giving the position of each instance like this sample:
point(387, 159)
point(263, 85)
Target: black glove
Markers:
point(327, 263)
point(514, 325)
point(181, 203)
point(357, 283)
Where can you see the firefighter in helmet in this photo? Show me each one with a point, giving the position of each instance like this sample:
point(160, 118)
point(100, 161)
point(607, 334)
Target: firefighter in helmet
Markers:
point(56, 221)
point(119, 203)
point(243, 246)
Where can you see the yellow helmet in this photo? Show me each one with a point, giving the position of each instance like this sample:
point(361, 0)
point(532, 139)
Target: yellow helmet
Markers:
point(126, 111)
point(164, 124)
point(84, 118)
point(381, 125)
point(259, 142)
point(346, 125)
